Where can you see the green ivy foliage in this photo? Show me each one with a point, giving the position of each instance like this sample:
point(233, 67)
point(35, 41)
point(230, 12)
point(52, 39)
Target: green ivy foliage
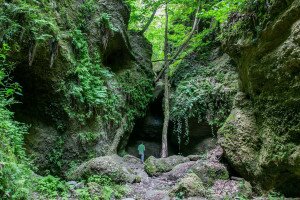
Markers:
point(51, 187)
point(203, 90)
point(89, 90)
point(138, 91)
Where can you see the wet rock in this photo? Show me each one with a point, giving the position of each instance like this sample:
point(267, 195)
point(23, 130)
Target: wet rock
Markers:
point(155, 166)
point(75, 185)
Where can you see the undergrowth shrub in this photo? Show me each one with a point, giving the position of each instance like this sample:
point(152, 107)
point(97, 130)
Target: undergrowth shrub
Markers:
point(102, 188)
point(52, 187)
point(14, 168)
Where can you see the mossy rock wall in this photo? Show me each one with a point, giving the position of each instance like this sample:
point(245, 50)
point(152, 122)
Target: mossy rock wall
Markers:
point(261, 136)
point(84, 76)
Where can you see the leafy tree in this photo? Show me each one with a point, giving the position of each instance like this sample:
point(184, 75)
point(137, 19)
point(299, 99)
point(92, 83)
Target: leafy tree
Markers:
point(176, 28)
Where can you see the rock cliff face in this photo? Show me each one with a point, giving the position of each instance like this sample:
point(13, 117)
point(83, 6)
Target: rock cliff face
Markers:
point(261, 136)
point(203, 87)
point(84, 76)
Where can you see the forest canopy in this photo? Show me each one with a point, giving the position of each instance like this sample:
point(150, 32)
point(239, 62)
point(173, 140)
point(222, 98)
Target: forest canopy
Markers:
point(181, 16)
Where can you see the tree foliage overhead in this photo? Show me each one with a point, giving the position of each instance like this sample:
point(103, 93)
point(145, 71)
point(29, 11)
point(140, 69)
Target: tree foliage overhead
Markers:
point(181, 15)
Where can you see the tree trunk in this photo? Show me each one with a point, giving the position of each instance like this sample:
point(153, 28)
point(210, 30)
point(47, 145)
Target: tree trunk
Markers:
point(118, 136)
point(164, 148)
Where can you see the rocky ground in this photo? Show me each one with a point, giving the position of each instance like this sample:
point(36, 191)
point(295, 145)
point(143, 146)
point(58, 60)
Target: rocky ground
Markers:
point(193, 177)
point(175, 177)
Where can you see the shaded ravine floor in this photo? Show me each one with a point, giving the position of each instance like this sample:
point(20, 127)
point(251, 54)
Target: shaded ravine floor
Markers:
point(174, 177)
point(171, 184)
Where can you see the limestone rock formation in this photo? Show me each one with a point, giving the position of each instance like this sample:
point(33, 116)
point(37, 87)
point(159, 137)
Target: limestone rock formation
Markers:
point(81, 71)
point(261, 136)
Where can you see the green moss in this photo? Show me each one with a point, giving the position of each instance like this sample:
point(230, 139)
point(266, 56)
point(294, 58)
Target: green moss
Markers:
point(150, 167)
point(189, 186)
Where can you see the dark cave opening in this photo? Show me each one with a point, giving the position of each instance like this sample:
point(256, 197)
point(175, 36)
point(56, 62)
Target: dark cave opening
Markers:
point(149, 129)
point(117, 60)
point(200, 138)
point(39, 100)
point(116, 55)
point(40, 108)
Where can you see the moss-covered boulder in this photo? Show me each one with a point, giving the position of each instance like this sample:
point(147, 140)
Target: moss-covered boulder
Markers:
point(179, 171)
point(189, 186)
point(261, 136)
point(110, 166)
point(209, 171)
point(155, 166)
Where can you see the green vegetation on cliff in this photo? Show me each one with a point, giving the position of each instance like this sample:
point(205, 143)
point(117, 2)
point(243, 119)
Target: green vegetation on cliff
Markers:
point(75, 75)
point(14, 166)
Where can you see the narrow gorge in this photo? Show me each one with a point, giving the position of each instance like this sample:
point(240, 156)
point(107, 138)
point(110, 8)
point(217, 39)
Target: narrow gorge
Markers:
point(215, 85)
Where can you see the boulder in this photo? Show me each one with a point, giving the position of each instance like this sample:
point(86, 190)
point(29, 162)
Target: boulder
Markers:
point(155, 166)
point(261, 136)
point(180, 170)
point(111, 166)
point(209, 171)
point(189, 186)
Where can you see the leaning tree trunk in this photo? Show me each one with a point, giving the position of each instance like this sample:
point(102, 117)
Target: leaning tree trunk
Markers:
point(117, 138)
point(164, 148)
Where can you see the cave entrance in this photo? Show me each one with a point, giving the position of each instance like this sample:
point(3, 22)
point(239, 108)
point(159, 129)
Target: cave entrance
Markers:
point(200, 138)
point(149, 129)
point(40, 108)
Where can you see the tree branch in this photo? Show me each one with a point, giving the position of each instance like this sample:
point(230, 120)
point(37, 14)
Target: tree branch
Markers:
point(168, 59)
point(149, 21)
point(183, 46)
